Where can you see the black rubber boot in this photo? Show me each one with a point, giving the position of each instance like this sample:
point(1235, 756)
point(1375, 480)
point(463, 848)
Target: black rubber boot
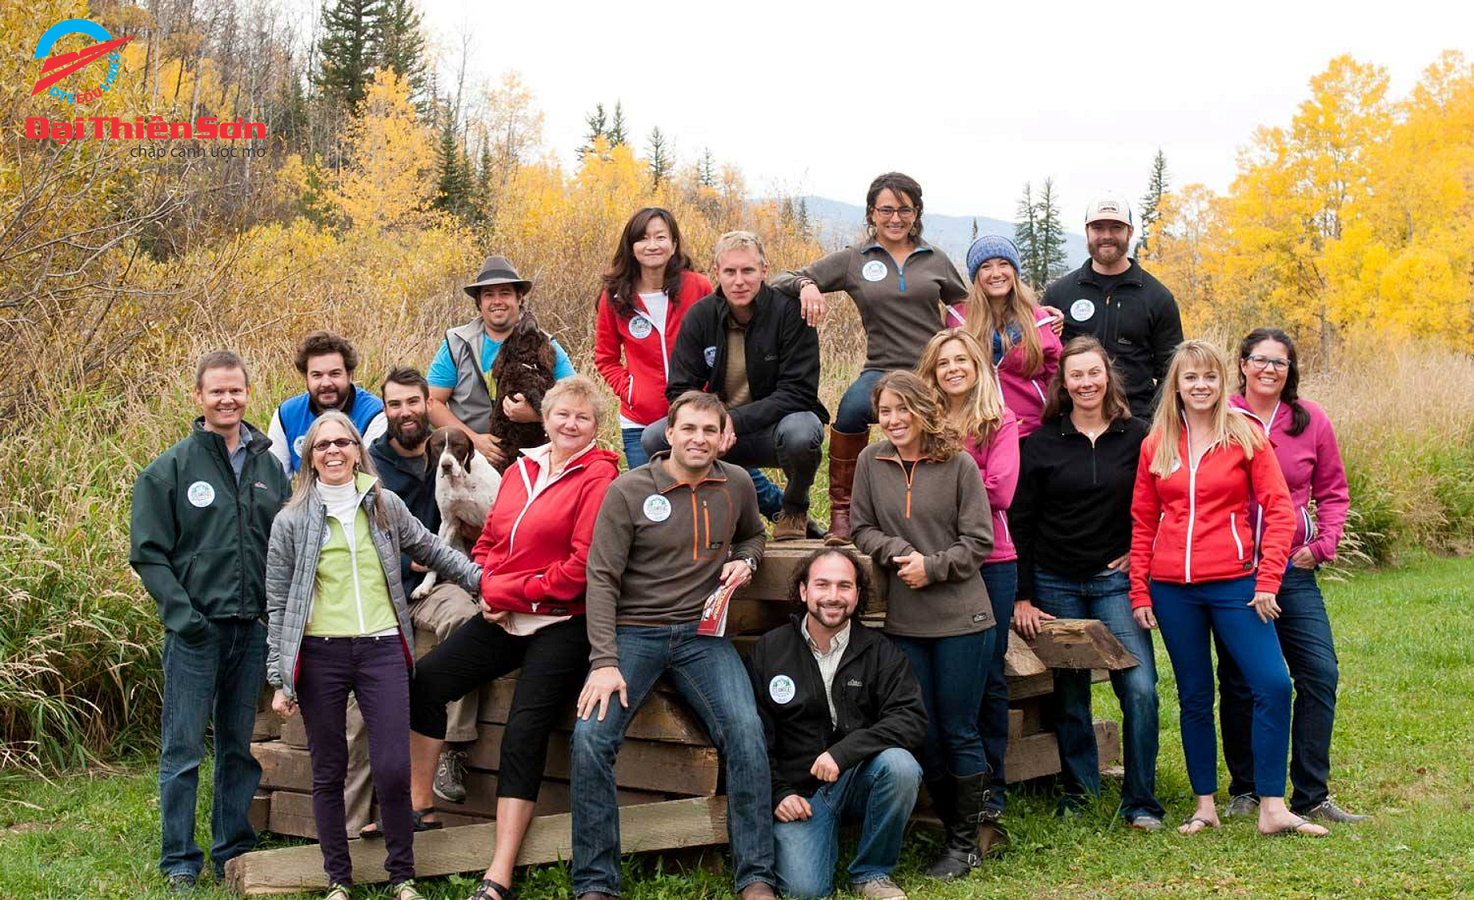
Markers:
point(959, 848)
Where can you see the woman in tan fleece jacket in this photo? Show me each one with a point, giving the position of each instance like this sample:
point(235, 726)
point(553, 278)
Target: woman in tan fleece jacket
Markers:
point(920, 511)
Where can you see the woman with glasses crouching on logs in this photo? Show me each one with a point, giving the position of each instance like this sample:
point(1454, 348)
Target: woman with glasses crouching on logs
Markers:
point(1195, 571)
point(1305, 446)
point(1071, 521)
point(920, 512)
point(899, 285)
point(338, 623)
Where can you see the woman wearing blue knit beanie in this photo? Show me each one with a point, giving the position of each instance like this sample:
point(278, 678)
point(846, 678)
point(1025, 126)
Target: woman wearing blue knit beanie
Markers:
point(1001, 313)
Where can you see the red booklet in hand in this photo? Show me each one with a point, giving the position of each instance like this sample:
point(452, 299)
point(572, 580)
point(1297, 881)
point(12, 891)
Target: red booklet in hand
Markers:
point(714, 613)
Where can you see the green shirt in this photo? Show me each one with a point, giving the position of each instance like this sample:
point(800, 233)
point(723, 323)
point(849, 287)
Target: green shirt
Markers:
point(351, 596)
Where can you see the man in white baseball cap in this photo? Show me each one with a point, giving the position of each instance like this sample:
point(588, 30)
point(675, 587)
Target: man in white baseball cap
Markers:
point(1131, 313)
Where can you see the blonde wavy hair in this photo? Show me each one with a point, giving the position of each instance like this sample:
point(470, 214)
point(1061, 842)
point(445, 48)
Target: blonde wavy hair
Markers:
point(1170, 420)
point(983, 320)
point(982, 409)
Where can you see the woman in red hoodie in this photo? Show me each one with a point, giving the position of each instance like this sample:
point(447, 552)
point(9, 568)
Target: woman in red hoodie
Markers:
point(955, 366)
point(533, 551)
point(1305, 445)
point(1193, 571)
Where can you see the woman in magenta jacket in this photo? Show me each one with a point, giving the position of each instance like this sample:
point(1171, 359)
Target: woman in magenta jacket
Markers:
point(1002, 315)
point(1305, 445)
point(955, 366)
point(1193, 570)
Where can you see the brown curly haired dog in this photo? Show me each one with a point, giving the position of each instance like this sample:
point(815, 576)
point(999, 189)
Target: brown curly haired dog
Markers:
point(524, 365)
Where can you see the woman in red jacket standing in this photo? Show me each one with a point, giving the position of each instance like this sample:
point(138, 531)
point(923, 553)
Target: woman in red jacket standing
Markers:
point(533, 551)
point(1193, 571)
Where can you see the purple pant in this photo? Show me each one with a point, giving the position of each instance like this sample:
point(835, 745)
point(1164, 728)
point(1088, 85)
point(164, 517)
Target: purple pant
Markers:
point(376, 672)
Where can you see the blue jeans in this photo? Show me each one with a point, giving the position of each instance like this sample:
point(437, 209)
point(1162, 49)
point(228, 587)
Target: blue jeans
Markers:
point(880, 792)
point(218, 679)
point(769, 495)
point(1107, 598)
point(1001, 579)
point(1304, 633)
point(951, 672)
point(856, 414)
point(1190, 615)
point(712, 680)
point(795, 444)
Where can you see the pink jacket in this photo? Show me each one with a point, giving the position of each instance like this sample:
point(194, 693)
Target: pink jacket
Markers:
point(998, 463)
point(1024, 394)
point(1311, 461)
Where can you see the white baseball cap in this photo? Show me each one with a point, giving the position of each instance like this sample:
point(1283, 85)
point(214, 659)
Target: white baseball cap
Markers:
point(1110, 207)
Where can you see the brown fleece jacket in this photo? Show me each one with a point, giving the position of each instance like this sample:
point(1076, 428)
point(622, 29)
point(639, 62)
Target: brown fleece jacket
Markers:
point(659, 547)
point(942, 512)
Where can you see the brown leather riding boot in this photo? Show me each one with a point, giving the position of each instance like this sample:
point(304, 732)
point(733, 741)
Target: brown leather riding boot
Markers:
point(844, 449)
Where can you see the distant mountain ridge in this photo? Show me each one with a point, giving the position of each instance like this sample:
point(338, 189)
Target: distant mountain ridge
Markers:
point(840, 223)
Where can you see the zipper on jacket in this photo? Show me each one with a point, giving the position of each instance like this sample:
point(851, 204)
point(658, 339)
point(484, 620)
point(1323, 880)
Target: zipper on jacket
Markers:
point(353, 559)
point(531, 496)
point(1233, 530)
point(695, 539)
point(1192, 504)
point(909, 475)
point(706, 521)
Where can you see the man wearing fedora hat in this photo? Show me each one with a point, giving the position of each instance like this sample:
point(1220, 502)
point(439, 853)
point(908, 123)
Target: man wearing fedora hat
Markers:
point(460, 373)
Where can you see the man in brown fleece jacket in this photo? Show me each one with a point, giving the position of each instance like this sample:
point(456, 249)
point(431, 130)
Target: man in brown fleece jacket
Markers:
point(669, 533)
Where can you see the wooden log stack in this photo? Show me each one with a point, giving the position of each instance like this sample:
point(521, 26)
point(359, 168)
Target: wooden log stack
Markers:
point(668, 772)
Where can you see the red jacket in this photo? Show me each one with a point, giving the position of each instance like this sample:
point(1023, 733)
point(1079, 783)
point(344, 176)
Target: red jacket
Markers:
point(1194, 525)
point(534, 549)
point(638, 379)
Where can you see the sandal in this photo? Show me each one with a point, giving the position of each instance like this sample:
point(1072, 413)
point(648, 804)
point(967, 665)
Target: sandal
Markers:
point(485, 888)
point(370, 831)
point(405, 890)
point(1198, 820)
point(417, 816)
point(337, 892)
point(1294, 828)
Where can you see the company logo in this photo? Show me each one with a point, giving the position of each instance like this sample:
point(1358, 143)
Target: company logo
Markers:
point(59, 67)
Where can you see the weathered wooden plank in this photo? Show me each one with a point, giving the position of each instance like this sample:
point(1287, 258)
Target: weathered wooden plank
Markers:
point(267, 727)
point(283, 767)
point(259, 813)
point(1032, 710)
point(1015, 724)
point(642, 765)
point(663, 716)
point(1080, 644)
point(1020, 688)
point(553, 797)
point(1037, 755)
point(291, 814)
point(294, 732)
point(1019, 661)
point(695, 822)
point(756, 617)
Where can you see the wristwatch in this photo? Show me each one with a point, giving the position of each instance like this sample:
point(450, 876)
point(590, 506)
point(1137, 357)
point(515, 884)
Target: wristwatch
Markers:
point(751, 564)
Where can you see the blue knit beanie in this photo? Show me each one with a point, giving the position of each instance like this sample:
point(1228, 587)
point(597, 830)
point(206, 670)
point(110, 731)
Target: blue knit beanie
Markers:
point(991, 246)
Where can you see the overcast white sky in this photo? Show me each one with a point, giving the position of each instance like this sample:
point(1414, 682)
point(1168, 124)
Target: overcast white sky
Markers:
point(972, 99)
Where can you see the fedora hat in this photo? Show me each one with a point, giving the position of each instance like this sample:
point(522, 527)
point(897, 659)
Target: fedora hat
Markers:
point(496, 270)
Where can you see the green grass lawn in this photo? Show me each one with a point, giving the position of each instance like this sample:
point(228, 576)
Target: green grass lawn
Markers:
point(1403, 752)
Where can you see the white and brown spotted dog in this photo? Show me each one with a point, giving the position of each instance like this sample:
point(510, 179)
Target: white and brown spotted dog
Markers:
point(465, 486)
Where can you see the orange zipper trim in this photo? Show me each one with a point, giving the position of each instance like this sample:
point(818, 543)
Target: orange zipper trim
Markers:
point(694, 537)
point(706, 520)
point(908, 476)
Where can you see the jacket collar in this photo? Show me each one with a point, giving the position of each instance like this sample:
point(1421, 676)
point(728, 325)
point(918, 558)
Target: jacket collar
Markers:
point(921, 247)
point(861, 637)
point(664, 482)
point(1067, 426)
point(760, 304)
point(415, 466)
point(887, 450)
point(258, 443)
point(1132, 275)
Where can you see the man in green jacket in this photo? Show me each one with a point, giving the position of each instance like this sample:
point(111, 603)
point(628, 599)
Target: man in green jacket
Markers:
point(202, 515)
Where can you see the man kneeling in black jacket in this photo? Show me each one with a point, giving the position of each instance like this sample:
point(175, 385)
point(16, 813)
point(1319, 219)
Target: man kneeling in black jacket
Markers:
point(841, 711)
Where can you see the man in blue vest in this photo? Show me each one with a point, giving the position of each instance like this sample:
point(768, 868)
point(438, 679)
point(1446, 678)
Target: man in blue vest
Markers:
point(327, 362)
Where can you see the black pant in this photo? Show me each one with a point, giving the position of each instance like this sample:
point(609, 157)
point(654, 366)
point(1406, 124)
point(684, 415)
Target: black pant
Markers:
point(554, 663)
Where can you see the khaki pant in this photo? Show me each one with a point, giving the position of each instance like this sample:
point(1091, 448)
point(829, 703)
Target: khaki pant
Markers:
point(442, 612)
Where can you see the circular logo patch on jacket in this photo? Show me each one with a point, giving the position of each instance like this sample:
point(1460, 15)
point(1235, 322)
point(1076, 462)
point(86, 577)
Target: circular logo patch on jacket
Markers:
point(710, 355)
point(1082, 309)
point(873, 270)
point(200, 494)
point(781, 689)
point(640, 327)
point(657, 508)
point(298, 444)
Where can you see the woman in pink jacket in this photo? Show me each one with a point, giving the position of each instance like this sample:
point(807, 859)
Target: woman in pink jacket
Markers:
point(1305, 445)
point(1001, 314)
point(955, 365)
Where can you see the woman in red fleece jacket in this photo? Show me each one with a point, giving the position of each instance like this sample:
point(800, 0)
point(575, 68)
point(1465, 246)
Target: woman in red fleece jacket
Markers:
point(533, 551)
point(1193, 571)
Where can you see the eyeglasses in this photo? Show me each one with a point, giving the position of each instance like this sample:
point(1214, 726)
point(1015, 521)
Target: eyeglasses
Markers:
point(340, 443)
point(1278, 363)
point(905, 212)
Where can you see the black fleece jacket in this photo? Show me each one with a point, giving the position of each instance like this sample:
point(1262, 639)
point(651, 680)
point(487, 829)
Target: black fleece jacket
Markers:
point(782, 359)
point(877, 704)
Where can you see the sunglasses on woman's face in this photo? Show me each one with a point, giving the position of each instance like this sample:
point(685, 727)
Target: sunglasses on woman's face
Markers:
point(340, 443)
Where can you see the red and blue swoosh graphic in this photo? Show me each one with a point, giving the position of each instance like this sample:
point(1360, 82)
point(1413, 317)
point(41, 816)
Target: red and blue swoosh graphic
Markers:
point(59, 67)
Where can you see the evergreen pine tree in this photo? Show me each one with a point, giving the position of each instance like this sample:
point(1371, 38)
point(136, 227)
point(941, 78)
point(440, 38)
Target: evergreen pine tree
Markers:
point(346, 50)
point(974, 228)
point(617, 134)
point(451, 183)
point(1050, 235)
point(598, 125)
point(399, 43)
point(803, 216)
point(706, 171)
point(660, 156)
point(1026, 237)
point(1151, 204)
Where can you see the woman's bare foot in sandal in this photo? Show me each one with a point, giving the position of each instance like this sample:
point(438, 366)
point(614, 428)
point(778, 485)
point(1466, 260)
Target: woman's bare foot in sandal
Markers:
point(1276, 819)
point(1205, 816)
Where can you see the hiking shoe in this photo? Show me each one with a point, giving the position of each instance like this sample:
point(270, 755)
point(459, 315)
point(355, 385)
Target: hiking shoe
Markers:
point(450, 776)
point(1146, 823)
point(182, 883)
point(881, 888)
point(1328, 811)
point(1241, 805)
point(790, 526)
